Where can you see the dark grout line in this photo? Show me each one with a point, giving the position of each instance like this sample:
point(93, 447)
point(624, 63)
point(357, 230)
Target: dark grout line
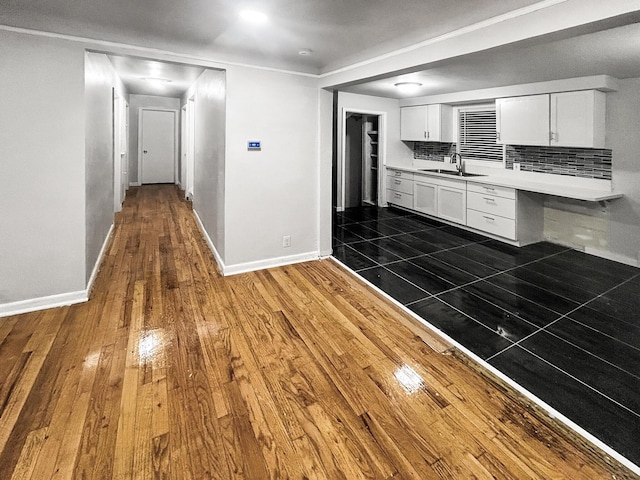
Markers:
point(576, 379)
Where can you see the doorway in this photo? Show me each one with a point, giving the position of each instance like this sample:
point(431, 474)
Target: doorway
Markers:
point(157, 140)
point(362, 155)
point(120, 150)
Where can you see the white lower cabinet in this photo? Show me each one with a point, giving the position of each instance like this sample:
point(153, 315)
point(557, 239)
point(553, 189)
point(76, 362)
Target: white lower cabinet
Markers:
point(504, 212)
point(492, 209)
point(425, 197)
point(400, 188)
point(452, 203)
point(494, 224)
point(440, 197)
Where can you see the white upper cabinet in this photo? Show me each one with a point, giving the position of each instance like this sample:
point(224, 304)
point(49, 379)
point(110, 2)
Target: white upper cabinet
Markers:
point(427, 123)
point(578, 119)
point(568, 119)
point(523, 120)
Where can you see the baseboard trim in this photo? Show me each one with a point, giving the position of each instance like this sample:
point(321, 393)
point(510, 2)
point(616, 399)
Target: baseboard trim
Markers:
point(42, 303)
point(61, 299)
point(227, 270)
point(270, 263)
point(135, 184)
point(212, 247)
point(96, 267)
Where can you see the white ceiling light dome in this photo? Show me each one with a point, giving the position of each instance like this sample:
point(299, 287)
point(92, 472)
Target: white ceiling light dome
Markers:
point(408, 87)
point(253, 16)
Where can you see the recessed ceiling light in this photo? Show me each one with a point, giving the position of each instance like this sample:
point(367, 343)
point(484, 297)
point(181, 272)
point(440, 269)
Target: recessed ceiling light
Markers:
point(253, 16)
point(408, 87)
point(304, 52)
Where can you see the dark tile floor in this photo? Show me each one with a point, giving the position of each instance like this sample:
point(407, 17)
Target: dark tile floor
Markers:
point(562, 324)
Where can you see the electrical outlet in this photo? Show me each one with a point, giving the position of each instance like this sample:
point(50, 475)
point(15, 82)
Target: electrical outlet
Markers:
point(286, 241)
point(516, 166)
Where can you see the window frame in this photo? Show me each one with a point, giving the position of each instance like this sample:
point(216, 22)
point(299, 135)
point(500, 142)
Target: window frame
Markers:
point(456, 133)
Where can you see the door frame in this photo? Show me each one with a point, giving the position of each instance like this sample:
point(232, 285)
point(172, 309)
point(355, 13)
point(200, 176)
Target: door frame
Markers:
point(190, 131)
point(176, 143)
point(382, 154)
point(120, 149)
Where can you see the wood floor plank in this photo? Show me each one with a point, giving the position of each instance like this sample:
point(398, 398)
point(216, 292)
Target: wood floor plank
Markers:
point(172, 371)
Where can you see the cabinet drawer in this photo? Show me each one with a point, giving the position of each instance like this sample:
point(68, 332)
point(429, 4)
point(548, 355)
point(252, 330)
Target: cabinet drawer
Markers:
point(399, 184)
point(492, 204)
point(500, 226)
point(505, 192)
point(399, 174)
point(399, 198)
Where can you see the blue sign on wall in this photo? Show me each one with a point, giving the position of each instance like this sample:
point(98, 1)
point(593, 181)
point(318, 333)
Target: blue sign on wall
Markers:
point(253, 145)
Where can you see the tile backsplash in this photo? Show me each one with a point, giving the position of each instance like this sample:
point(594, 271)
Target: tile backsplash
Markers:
point(434, 151)
point(576, 162)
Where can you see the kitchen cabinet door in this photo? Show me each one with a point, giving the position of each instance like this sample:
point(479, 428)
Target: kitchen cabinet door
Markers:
point(425, 198)
point(523, 120)
point(452, 204)
point(578, 119)
point(413, 124)
point(427, 123)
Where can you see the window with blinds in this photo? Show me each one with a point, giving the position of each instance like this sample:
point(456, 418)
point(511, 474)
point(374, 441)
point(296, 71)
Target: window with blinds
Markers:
point(477, 134)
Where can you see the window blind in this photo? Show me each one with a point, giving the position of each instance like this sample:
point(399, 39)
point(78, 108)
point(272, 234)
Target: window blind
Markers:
point(477, 135)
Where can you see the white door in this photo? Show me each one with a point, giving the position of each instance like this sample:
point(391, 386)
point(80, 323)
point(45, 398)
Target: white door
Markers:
point(158, 146)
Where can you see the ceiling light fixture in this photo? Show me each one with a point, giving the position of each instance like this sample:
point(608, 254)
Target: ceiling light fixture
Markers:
point(408, 87)
point(304, 52)
point(253, 16)
point(156, 82)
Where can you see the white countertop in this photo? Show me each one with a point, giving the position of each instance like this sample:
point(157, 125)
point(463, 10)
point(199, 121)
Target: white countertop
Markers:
point(557, 185)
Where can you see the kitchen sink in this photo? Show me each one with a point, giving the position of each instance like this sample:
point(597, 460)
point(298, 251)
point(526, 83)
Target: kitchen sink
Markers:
point(453, 173)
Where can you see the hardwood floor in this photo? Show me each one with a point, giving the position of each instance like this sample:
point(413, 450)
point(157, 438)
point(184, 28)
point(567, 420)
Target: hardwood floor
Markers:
point(171, 371)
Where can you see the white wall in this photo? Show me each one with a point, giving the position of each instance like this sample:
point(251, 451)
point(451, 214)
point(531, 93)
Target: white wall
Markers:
point(623, 135)
point(325, 168)
point(100, 80)
point(394, 150)
point(209, 93)
point(42, 148)
point(273, 192)
point(135, 103)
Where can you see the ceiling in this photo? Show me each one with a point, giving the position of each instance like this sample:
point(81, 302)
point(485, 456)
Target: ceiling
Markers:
point(612, 51)
point(166, 79)
point(338, 33)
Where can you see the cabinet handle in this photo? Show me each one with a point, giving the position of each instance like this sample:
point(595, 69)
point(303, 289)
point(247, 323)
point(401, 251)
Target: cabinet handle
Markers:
point(489, 218)
point(397, 182)
point(397, 195)
point(497, 135)
point(398, 174)
point(490, 189)
point(553, 136)
point(490, 199)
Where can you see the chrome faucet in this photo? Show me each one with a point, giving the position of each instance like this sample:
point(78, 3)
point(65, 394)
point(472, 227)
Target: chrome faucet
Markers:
point(457, 159)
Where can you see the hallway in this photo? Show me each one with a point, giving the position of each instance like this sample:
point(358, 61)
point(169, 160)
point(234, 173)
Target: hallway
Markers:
point(172, 371)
